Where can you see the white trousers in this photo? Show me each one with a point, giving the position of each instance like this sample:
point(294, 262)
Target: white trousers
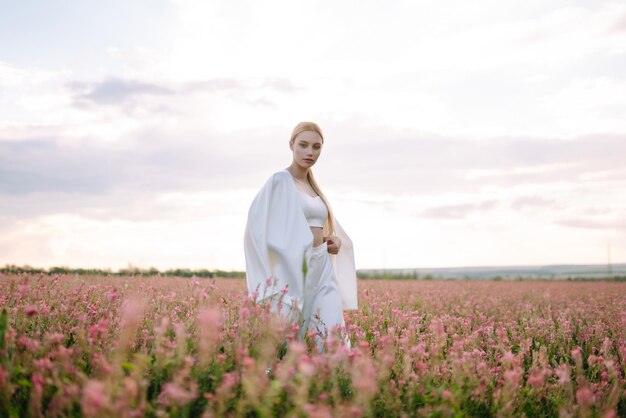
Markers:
point(322, 309)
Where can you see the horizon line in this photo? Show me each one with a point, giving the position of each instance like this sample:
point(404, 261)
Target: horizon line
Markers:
point(382, 269)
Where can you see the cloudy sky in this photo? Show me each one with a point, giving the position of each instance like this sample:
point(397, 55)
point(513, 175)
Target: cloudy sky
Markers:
point(457, 133)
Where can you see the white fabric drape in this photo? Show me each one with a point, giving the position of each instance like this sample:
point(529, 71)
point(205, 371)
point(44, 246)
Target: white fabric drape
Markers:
point(278, 241)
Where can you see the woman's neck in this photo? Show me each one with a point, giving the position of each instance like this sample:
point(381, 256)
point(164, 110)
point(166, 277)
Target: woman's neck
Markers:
point(298, 172)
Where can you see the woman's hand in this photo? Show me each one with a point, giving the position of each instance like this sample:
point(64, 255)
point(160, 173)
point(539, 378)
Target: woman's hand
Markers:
point(333, 244)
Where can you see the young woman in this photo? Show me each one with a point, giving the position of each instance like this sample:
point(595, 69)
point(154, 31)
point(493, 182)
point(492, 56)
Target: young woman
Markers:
point(298, 258)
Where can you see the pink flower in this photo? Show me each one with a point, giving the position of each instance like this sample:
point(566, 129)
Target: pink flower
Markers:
point(131, 316)
point(209, 331)
point(30, 310)
point(535, 379)
point(37, 380)
point(512, 377)
point(421, 366)
point(131, 388)
point(355, 411)
point(173, 394)
point(132, 310)
point(23, 288)
point(305, 366)
point(585, 397)
point(562, 372)
point(3, 377)
point(53, 338)
point(248, 362)
point(297, 348)
point(317, 410)
point(112, 295)
point(508, 357)
point(228, 382)
point(244, 312)
point(94, 400)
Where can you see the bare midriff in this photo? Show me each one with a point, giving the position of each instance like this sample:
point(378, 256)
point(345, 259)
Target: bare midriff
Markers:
point(318, 235)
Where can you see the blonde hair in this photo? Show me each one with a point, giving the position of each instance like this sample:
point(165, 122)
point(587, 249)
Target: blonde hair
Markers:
point(311, 126)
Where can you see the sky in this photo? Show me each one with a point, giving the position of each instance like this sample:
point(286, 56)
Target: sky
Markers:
point(457, 133)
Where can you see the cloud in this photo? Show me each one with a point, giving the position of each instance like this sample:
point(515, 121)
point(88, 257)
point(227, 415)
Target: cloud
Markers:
point(534, 202)
point(148, 160)
point(114, 91)
point(44, 165)
point(404, 161)
point(367, 159)
point(458, 211)
point(588, 223)
point(619, 25)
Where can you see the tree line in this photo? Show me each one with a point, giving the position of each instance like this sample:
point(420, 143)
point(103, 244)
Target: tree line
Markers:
point(129, 271)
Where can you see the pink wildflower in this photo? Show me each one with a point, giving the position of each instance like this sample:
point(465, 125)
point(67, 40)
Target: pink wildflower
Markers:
point(421, 366)
point(535, 379)
point(305, 366)
point(30, 310)
point(23, 289)
point(53, 338)
point(562, 372)
point(130, 387)
point(317, 410)
point(229, 381)
point(173, 394)
point(508, 358)
point(512, 377)
point(585, 397)
point(297, 348)
point(94, 400)
point(210, 330)
point(3, 377)
point(244, 312)
point(248, 362)
point(112, 295)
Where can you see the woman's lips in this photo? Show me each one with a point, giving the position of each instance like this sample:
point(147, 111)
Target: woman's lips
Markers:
point(308, 160)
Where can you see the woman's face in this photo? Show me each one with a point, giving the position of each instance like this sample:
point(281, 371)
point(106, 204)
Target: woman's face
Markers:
point(306, 148)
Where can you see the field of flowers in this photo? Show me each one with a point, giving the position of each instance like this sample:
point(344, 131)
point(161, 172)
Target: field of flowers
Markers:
point(163, 346)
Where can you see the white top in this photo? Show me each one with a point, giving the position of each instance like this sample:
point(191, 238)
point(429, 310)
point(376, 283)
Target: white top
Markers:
point(278, 241)
point(314, 209)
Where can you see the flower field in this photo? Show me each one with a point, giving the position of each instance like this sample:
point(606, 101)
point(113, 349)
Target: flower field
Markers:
point(164, 346)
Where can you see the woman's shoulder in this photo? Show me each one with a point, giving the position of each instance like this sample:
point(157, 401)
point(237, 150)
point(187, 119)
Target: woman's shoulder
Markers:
point(278, 179)
point(280, 176)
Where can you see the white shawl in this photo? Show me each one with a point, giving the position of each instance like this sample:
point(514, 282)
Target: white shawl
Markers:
point(278, 241)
